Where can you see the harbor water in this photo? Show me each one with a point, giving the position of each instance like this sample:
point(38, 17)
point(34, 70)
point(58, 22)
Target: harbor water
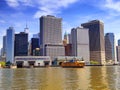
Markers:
point(57, 78)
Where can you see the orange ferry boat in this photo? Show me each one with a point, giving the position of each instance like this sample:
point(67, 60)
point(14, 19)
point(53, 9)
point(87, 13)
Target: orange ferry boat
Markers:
point(73, 64)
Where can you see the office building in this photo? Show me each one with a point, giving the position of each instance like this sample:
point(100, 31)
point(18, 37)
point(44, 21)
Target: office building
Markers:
point(1, 52)
point(36, 52)
point(50, 30)
point(80, 43)
point(69, 38)
point(4, 45)
point(34, 44)
point(54, 50)
point(21, 44)
point(51, 36)
point(96, 39)
point(118, 53)
point(119, 42)
point(110, 47)
point(68, 50)
point(10, 45)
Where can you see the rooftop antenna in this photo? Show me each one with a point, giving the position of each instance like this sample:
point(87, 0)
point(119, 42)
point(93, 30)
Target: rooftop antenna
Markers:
point(26, 29)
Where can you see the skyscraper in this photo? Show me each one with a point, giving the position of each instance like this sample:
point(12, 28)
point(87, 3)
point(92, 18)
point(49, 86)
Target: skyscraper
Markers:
point(21, 44)
point(4, 45)
point(50, 30)
point(80, 43)
point(110, 46)
point(118, 51)
point(119, 42)
point(34, 44)
point(51, 36)
point(96, 38)
point(10, 45)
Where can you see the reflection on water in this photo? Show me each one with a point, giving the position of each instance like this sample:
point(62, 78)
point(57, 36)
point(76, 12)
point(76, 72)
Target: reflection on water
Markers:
point(57, 78)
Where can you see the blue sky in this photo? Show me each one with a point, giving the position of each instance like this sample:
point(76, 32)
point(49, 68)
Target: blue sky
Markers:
point(74, 12)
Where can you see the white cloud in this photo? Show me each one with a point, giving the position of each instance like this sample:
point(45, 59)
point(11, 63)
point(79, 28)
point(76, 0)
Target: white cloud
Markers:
point(12, 3)
point(114, 5)
point(16, 3)
point(52, 7)
point(44, 7)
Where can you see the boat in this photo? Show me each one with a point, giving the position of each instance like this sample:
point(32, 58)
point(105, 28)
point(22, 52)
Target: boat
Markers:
point(13, 66)
point(73, 64)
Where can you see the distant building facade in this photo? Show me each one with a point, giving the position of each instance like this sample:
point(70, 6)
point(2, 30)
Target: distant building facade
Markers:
point(21, 44)
point(96, 38)
point(119, 42)
point(34, 44)
point(80, 43)
point(50, 35)
point(68, 50)
point(110, 46)
point(118, 53)
point(54, 50)
point(10, 45)
point(4, 45)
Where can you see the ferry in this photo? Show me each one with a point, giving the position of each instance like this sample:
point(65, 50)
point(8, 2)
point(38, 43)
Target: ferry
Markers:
point(73, 64)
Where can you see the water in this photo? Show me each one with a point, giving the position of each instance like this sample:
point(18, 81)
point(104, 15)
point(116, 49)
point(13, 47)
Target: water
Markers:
point(57, 78)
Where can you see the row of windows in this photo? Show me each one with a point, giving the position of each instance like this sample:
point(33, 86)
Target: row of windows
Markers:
point(32, 58)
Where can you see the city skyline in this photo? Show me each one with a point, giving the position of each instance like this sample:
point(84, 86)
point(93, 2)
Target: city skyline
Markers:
point(17, 13)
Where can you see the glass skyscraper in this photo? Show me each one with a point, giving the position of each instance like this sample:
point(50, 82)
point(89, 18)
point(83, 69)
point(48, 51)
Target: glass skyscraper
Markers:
point(10, 45)
point(110, 46)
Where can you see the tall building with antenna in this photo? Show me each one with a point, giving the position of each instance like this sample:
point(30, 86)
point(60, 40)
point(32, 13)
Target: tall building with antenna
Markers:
point(26, 29)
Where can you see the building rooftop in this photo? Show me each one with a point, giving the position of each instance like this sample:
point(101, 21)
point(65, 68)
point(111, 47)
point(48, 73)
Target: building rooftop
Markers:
point(93, 21)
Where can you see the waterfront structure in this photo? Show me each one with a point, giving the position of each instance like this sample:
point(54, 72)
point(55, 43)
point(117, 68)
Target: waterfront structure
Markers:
point(60, 59)
point(10, 45)
point(21, 44)
point(80, 43)
point(110, 47)
point(35, 61)
point(4, 45)
point(96, 39)
point(34, 44)
point(51, 36)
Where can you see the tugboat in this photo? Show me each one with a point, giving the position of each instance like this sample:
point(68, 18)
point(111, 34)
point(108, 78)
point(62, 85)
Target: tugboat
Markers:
point(73, 64)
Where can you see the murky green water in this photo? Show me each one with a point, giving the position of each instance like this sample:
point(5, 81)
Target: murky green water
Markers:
point(56, 78)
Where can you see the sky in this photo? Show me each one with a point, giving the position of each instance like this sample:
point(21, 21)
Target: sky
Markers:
point(17, 13)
